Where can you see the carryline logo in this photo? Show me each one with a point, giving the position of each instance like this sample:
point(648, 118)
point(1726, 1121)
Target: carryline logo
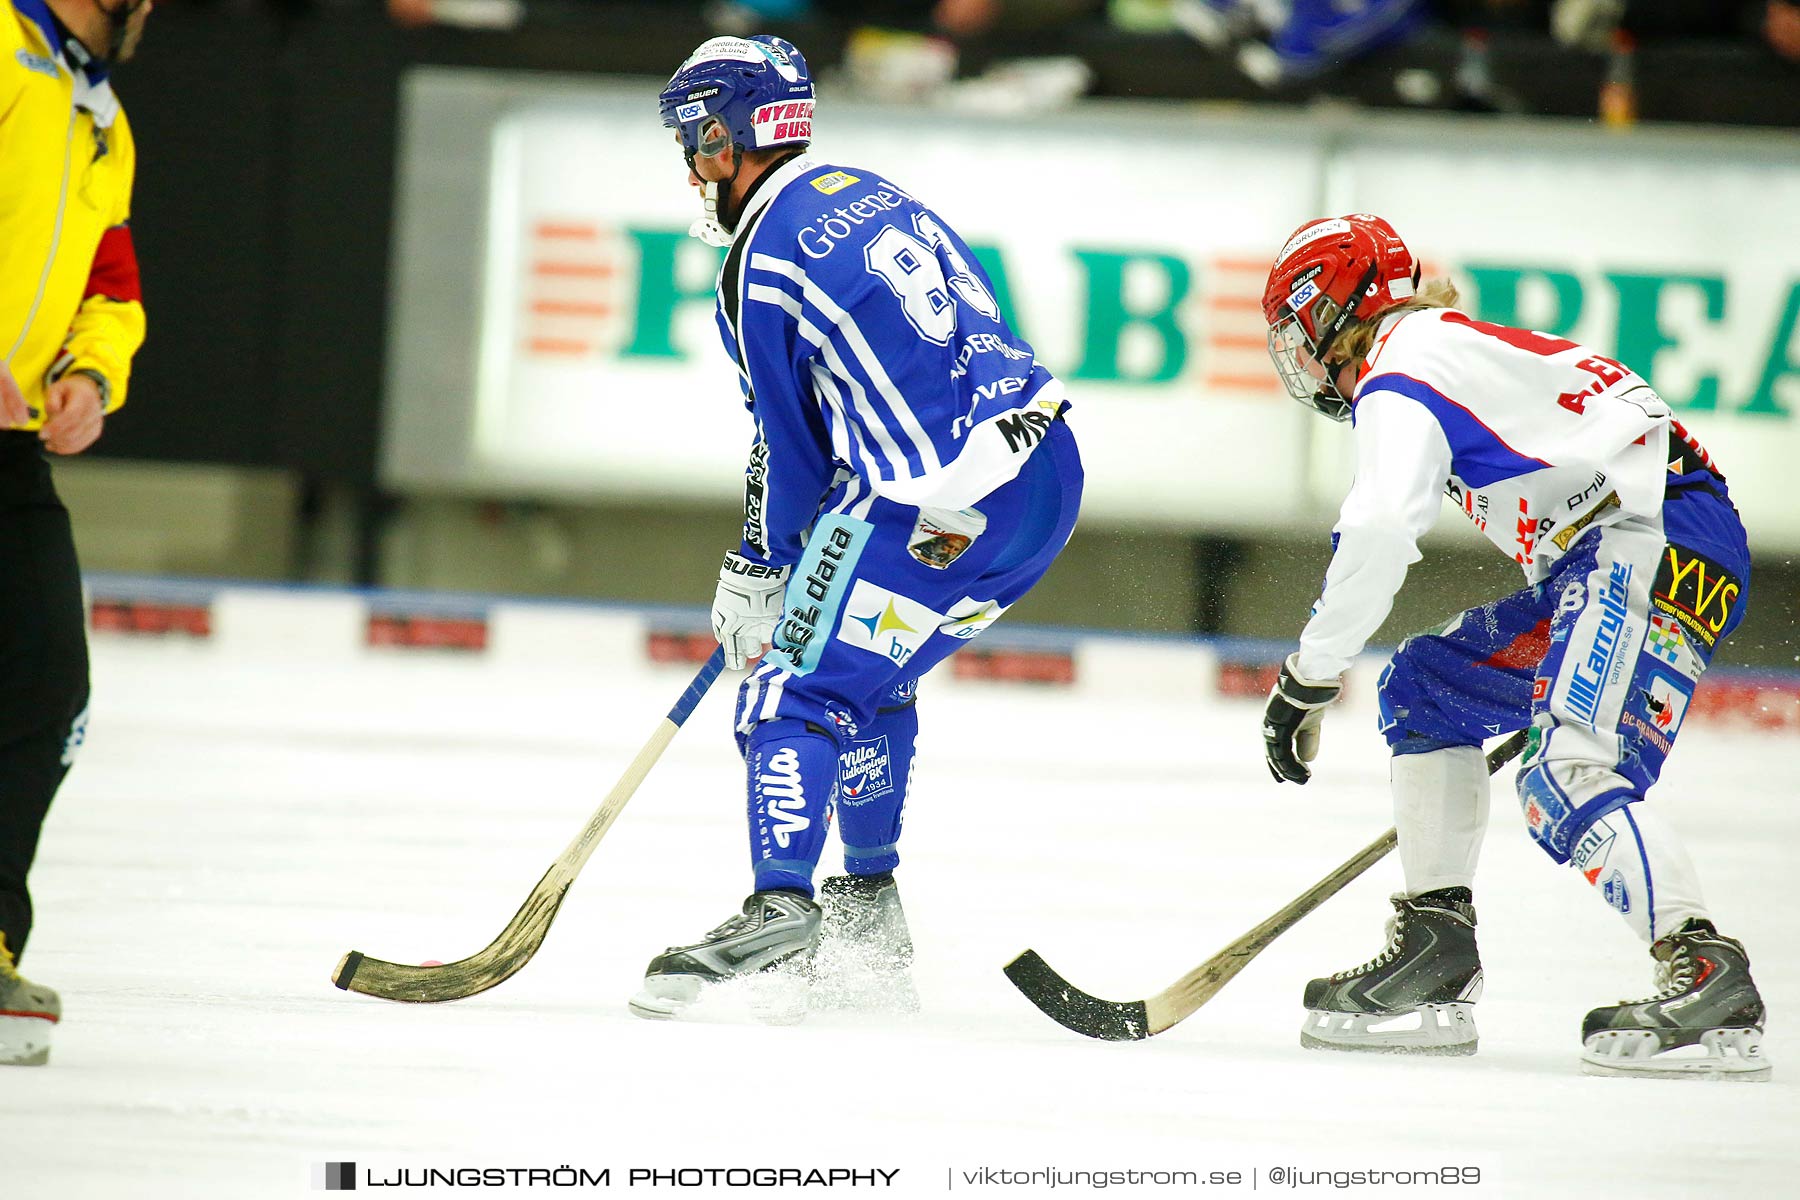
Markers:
point(1153, 318)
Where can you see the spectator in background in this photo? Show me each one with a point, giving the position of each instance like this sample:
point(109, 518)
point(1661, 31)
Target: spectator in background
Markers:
point(960, 19)
point(71, 319)
point(493, 16)
point(1279, 41)
point(967, 18)
point(910, 51)
point(972, 18)
point(1781, 29)
point(1592, 23)
point(1532, 16)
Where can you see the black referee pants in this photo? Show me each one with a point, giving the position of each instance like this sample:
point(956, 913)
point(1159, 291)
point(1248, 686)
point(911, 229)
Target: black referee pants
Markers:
point(43, 665)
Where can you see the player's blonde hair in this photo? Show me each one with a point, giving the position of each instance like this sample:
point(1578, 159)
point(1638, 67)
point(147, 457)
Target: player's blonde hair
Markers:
point(1356, 339)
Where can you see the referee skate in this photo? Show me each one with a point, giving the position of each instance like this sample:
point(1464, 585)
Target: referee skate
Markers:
point(28, 1013)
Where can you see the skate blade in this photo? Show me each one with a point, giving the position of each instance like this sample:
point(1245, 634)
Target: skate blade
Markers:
point(776, 997)
point(852, 976)
point(1446, 1030)
point(866, 995)
point(25, 1041)
point(1722, 1055)
point(664, 997)
point(768, 997)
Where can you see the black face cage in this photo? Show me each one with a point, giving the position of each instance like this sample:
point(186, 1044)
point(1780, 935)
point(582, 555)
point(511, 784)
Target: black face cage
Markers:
point(1288, 340)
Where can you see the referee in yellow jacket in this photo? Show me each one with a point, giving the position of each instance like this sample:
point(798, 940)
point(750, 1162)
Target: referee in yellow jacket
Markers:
point(70, 320)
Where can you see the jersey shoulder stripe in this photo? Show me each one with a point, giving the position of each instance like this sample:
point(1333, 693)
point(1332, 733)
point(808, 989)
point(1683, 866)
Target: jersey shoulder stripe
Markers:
point(1479, 456)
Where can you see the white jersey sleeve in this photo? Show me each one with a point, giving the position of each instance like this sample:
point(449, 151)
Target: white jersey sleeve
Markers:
point(1402, 461)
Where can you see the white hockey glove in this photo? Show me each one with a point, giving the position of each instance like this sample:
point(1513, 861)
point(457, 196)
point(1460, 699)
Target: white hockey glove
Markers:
point(747, 607)
point(1291, 722)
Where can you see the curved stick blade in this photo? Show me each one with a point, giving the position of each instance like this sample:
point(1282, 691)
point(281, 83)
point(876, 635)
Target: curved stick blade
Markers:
point(503, 957)
point(495, 963)
point(1135, 1020)
point(1073, 1008)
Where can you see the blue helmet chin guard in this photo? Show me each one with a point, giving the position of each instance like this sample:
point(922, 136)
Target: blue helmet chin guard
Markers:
point(740, 94)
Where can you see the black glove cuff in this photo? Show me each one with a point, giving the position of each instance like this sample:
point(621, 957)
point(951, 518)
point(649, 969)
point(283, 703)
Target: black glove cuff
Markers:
point(1305, 695)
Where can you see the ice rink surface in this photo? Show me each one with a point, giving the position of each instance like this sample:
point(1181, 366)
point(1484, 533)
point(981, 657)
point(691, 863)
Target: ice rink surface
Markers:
point(237, 822)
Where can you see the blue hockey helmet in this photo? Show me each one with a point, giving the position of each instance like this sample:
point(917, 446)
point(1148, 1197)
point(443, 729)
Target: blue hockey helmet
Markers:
point(751, 92)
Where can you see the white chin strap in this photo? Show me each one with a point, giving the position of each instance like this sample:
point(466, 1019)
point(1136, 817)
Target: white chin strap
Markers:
point(707, 228)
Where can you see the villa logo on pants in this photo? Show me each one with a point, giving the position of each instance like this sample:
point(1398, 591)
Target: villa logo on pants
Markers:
point(783, 798)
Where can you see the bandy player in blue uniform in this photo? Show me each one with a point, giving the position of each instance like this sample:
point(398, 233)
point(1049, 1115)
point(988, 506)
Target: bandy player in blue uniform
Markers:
point(910, 477)
point(1636, 569)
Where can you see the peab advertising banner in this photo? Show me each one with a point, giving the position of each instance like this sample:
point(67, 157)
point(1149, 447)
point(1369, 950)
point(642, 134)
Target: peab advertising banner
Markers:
point(553, 333)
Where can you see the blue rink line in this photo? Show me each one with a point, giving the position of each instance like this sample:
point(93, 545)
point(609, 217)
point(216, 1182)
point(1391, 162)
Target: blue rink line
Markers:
point(106, 585)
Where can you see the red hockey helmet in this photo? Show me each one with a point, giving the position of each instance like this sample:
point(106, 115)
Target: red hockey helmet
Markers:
point(1331, 272)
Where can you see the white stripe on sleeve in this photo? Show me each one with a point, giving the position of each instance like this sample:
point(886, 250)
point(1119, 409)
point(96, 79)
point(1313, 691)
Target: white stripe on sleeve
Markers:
point(871, 421)
point(847, 440)
point(865, 355)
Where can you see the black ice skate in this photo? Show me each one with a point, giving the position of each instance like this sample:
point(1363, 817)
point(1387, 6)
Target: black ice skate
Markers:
point(865, 954)
point(1417, 996)
point(1706, 1023)
point(28, 1012)
point(773, 928)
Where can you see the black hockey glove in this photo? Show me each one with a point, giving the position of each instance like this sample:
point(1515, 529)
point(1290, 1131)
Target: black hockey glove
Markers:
point(1291, 722)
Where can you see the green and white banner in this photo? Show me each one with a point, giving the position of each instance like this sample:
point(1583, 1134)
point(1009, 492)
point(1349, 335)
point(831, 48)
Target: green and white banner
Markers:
point(553, 323)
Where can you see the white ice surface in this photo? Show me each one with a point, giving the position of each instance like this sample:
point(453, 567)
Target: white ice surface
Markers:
point(234, 825)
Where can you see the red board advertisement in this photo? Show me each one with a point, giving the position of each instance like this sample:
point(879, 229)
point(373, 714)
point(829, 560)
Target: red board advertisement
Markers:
point(1772, 704)
point(417, 631)
point(154, 618)
point(1247, 679)
point(998, 665)
point(678, 646)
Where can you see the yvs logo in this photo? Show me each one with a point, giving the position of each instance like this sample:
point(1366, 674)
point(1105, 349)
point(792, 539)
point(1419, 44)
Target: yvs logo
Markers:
point(1696, 591)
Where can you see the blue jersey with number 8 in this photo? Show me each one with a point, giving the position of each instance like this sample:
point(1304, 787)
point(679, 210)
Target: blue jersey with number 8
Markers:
point(868, 339)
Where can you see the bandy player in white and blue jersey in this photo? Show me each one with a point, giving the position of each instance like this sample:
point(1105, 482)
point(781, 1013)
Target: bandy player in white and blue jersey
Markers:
point(1636, 568)
point(910, 477)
